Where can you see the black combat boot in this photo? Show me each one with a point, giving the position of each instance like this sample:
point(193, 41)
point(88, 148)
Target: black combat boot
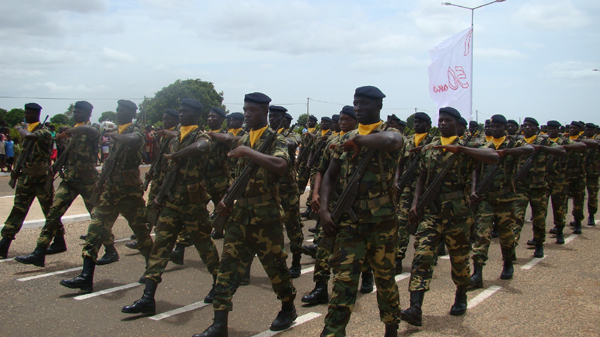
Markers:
point(4, 245)
point(591, 220)
point(146, 304)
point(560, 237)
point(295, 268)
point(495, 231)
point(391, 330)
point(219, 326)
point(319, 295)
point(177, 254)
point(366, 286)
point(83, 237)
point(531, 242)
point(313, 230)
point(85, 281)
point(398, 266)
point(554, 230)
point(310, 250)
point(306, 213)
point(58, 246)
point(110, 255)
point(217, 235)
point(132, 244)
point(476, 280)
point(507, 271)
point(539, 250)
point(577, 227)
point(37, 258)
point(413, 315)
point(133, 237)
point(460, 301)
point(211, 294)
point(285, 317)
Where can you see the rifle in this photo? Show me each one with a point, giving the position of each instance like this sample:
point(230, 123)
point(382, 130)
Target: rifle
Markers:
point(238, 187)
point(60, 163)
point(156, 165)
point(23, 157)
point(488, 179)
point(311, 162)
point(287, 133)
point(409, 174)
point(434, 188)
point(527, 165)
point(165, 192)
point(303, 153)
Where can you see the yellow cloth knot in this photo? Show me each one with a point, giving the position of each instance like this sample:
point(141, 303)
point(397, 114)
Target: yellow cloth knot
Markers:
point(419, 138)
point(185, 130)
point(498, 141)
point(312, 130)
point(123, 128)
point(531, 139)
point(234, 131)
point(32, 126)
point(255, 135)
point(366, 129)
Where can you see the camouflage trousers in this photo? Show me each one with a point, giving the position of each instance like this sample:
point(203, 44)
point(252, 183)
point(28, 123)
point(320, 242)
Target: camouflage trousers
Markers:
point(290, 203)
point(355, 245)
point(558, 199)
point(303, 181)
point(455, 232)
point(63, 198)
point(503, 214)
point(592, 191)
point(404, 205)
point(322, 271)
point(242, 242)
point(538, 199)
point(24, 195)
point(174, 219)
point(576, 186)
point(112, 203)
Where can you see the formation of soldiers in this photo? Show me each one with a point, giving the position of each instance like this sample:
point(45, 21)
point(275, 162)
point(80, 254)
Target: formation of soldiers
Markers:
point(371, 187)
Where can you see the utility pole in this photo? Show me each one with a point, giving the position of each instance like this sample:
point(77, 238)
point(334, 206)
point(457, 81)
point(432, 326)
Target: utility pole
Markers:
point(308, 106)
point(477, 116)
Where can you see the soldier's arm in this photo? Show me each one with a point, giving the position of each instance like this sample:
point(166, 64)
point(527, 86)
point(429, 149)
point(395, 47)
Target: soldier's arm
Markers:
point(413, 215)
point(316, 199)
point(130, 139)
point(291, 143)
point(26, 134)
point(386, 141)
point(575, 147)
point(271, 163)
point(193, 150)
point(524, 150)
point(485, 155)
point(591, 143)
point(168, 133)
point(83, 130)
point(225, 138)
point(555, 150)
point(326, 191)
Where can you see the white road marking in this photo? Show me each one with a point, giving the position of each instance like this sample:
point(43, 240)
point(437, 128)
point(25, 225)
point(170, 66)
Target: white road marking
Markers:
point(571, 238)
point(597, 221)
point(310, 240)
point(532, 263)
point(398, 279)
point(482, 296)
point(445, 257)
point(307, 270)
point(48, 274)
point(177, 311)
point(8, 196)
point(107, 291)
point(6, 260)
point(300, 320)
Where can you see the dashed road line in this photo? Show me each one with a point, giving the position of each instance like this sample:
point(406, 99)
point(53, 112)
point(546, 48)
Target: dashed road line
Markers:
point(300, 320)
point(178, 311)
point(571, 238)
point(310, 240)
point(483, 296)
point(307, 270)
point(9, 259)
point(48, 274)
point(532, 263)
point(107, 291)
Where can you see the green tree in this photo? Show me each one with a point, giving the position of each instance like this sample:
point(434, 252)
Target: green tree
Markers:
point(61, 119)
point(169, 97)
point(2, 114)
point(302, 120)
point(14, 117)
point(110, 116)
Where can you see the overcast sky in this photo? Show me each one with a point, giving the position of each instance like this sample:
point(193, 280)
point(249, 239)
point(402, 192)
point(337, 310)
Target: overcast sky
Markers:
point(532, 58)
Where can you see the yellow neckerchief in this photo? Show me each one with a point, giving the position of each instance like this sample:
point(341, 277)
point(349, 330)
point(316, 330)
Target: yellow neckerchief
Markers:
point(498, 141)
point(531, 139)
point(217, 131)
point(123, 128)
point(171, 129)
point(554, 139)
point(365, 129)
point(447, 140)
point(488, 138)
point(31, 127)
point(419, 138)
point(312, 130)
point(576, 136)
point(234, 131)
point(335, 133)
point(543, 133)
point(80, 124)
point(280, 130)
point(185, 130)
point(461, 137)
point(323, 132)
point(342, 133)
point(255, 135)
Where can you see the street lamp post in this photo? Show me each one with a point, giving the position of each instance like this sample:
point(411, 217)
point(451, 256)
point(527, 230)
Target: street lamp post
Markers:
point(472, 9)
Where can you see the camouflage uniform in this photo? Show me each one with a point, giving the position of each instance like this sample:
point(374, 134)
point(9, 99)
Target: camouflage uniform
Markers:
point(497, 206)
point(157, 180)
point(305, 145)
point(448, 218)
point(255, 227)
point(575, 181)
point(122, 194)
point(533, 189)
point(372, 239)
point(78, 178)
point(187, 211)
point(32, 184)
point(592, 171)
point(556, 179)
point(317, 154)
point(290, 202)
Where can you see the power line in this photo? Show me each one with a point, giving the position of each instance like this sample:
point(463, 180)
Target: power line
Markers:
point(72, 98)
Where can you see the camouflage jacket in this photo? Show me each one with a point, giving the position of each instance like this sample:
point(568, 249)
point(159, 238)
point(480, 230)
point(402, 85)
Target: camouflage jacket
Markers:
point(232, 161)
point(82, 157)
point(501, 188)
point(126, 175)
point(314, 149)
point(164, 162)
point(454, 190)
point(576, 163)
point(332, 141)
point(218, 177)
point(375, 201)
point(260, 202)
point(288, 183)
point(592, 161)
point(36, 164)
point(306, 145)
point(536, 177)
point(409, 144)
point(556, 169)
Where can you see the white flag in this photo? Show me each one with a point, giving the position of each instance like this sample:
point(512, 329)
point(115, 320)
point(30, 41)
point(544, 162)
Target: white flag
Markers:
point(450, 73)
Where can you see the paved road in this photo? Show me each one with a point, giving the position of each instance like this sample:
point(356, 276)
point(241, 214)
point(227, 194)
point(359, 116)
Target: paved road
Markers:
point(557, 296)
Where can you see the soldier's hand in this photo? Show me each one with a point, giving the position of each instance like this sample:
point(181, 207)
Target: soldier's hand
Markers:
point(239, 151)
point(329, 227)
point(63, 135)
point(449, 148)
point(149, 175)
point(222, 208)
point(170, 156)
point(316, 202)
point(500, 153)
point(536, 147)
point(416, 149)
point(413, 216)
point(156, 205)
point(350, 145)
point(475, 199)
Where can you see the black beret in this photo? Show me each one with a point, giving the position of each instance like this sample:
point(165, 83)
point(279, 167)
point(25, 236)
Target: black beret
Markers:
point(401, 122)
point(311, 117)
point(33, 106)
point(498, 119)
point(450, 111)
point(512, 121)
point(487, 121)
point(257, 97)
point(394, 117)
point(288, 116)
point(192, 103)
point(531, 120)
point(335, 118)
point(579, 124)
point(554, 123)
point(277, 108)
point(463, 121)
point(171, 112)
point(369, 91)
point(590, 125)
point(473, 123)
point(127, 104)
point(423, 116)
point(83, 105)
point(326, 119)
point(236, 115)
point(348, 110)
point(219, 112)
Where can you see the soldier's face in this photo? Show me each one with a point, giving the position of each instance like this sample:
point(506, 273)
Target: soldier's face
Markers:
point(170, 121)
point(512, 129)
point(486, 129)
point(473, 129)
point(124, 115)
point(275, 119)
point(32, 116)
point(236, 123)
point(311, 123)
point(255, 115)
point(394, 124)
point(529, 129)
point(287, 123)
point(420, 125)
point(81, 116)
point(366, 109)
point(335, 126)
point(497, 130)
point(590, 132)
point(447, 125)
point(325, 125)
point(187, 116)
point(574, 130)
point(228, 123)
point(553, 131)
point(214, 121)
point(460, 130)
point(347, 123)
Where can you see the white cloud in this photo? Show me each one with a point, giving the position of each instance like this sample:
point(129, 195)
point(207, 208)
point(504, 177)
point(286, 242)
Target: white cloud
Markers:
point(115, 55)
point(551, 15)
point(69, 89)
point(571, 70)
point(498, 53)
